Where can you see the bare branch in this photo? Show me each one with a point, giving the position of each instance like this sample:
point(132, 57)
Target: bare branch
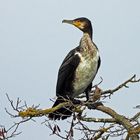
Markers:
point(120, 119)
point(135, 117)
point(124, 84)
point(100, 133)
point(55, 130)
point(98, 120)
point(116, 125)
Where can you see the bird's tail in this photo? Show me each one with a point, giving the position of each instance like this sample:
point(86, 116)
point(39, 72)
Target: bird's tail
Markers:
point(61, 113)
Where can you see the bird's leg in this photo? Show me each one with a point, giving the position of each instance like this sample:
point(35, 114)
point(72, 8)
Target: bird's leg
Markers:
point(75, 101)
point(87, 91)
point(87, 96)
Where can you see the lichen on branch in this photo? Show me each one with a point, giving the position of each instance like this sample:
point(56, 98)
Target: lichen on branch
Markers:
point(33, 112)
point(131, 126)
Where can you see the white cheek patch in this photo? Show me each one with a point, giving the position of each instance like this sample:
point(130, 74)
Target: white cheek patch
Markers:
point(81, 26)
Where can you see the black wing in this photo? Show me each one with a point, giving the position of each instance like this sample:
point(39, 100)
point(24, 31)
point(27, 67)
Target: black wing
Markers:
point(66, 72)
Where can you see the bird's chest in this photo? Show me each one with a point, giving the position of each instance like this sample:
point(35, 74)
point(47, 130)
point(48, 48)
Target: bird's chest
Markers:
point(85, 73)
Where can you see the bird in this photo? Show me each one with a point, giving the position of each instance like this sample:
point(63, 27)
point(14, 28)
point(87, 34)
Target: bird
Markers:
point(77, 70)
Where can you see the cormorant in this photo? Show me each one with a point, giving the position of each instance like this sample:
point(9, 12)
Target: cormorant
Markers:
point(78, 69)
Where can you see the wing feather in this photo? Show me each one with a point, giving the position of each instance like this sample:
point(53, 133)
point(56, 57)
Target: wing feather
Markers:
point(66, 73)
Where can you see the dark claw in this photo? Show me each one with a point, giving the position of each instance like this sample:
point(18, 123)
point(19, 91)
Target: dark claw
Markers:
point(94, 105)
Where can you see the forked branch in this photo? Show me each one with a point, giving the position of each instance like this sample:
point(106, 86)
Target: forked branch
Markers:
point(27, 113)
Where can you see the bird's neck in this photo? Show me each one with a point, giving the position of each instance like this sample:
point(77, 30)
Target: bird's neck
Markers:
point(88, 30)
point(86, 39)
point(90, 33)
point(86, 43)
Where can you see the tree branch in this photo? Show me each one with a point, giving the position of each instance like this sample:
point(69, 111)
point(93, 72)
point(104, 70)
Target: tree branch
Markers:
point(124, 84)
point(33, 112)
point(98, 120)
point(124, 123)
point(120, 119)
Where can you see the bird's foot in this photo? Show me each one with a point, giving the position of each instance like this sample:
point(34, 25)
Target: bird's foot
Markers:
point(92, 105)
point(75, 101)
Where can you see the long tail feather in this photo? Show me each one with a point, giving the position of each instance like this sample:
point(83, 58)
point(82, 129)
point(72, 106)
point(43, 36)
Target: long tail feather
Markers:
point(61, 113)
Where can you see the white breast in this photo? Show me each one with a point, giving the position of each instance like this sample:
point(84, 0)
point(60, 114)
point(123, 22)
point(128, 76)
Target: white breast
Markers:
point(85, 73)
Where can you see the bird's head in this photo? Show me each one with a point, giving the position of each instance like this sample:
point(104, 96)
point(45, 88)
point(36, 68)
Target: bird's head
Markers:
point(83, 24)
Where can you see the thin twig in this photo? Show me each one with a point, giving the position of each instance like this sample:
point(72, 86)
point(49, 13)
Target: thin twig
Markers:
point(124, 84)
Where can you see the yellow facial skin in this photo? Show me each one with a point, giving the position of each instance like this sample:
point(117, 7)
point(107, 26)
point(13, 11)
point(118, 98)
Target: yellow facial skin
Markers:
point(79, 24)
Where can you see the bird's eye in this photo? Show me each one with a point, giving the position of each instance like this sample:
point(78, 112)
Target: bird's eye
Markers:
point(78, 21)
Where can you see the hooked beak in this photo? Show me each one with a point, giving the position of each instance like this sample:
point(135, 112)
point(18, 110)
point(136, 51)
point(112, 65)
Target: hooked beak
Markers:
point(68, 21)
point(77, 24)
